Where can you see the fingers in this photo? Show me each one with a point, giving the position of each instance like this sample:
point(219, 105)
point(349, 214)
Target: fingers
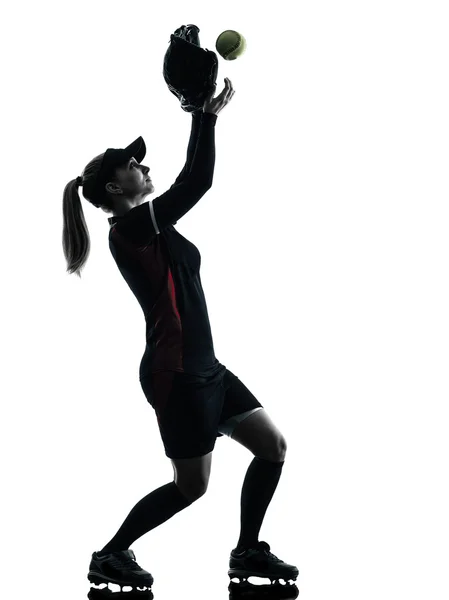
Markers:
point(228, 85)
point(228, 90)
point(216, 104)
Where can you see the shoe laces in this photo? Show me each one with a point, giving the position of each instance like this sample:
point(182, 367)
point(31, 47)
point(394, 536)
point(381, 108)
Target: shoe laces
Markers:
point(123, 561)
point(265, 548)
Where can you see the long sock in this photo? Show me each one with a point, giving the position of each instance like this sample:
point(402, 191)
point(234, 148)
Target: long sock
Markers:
point(153, 510)
point(260, 483)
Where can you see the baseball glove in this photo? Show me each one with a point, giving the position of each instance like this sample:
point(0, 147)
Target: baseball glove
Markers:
point(189, 70)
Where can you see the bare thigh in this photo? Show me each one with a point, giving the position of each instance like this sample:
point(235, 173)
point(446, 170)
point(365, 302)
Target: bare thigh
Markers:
point(192, 475)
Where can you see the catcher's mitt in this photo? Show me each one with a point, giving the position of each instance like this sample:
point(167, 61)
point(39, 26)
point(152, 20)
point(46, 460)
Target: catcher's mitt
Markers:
point(189, 70)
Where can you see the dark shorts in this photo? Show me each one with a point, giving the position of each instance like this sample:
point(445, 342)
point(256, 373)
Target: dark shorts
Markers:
point(193, 411)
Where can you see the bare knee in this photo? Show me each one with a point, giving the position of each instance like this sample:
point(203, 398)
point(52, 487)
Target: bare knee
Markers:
point(191, 475)
point(276, 451)
point(191, 490)
point(260, 436)
point(282, 452)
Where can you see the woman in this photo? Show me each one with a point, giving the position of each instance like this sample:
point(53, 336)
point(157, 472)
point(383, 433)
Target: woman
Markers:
point(196, 399)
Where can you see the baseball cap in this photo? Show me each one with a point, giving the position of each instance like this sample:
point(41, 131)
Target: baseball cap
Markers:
point(115, 157)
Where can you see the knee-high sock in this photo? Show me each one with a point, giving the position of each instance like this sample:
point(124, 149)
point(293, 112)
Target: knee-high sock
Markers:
point(154, 509)
point(260, 483)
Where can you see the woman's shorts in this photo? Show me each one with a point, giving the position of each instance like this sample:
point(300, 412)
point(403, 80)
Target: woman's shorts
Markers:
point(192, 411)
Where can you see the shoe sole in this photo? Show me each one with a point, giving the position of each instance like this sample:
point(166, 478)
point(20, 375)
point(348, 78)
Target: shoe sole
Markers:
point(98, 579)
point(248, 573)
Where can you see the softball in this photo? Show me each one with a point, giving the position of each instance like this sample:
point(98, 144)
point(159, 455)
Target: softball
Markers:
point(230, 44)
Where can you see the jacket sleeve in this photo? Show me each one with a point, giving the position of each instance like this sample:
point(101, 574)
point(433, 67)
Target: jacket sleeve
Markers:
point(148, 219)
point(193, 141)
point(195, 178)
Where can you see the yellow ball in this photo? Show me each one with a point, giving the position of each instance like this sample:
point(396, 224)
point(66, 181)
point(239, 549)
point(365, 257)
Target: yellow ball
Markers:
point(230, 44)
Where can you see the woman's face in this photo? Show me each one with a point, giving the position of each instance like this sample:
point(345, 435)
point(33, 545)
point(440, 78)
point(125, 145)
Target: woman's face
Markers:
point(130, 188)
point(133, 180)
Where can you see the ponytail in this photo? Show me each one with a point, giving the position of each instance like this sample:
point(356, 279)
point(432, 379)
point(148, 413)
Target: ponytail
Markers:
point(75, 235)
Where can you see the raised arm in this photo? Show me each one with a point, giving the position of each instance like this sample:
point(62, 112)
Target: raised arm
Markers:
point(194, 132)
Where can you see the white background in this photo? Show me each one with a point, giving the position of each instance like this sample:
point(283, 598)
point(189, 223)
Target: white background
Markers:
point(324, 244)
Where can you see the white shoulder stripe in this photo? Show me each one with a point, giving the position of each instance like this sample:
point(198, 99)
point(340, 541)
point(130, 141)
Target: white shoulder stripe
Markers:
point(153, 218)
